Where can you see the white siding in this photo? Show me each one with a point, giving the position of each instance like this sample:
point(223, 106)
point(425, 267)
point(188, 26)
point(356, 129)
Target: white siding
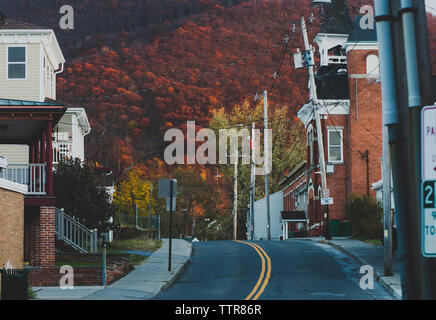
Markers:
point(28, 89)
point(16, 154)
point(260, 217)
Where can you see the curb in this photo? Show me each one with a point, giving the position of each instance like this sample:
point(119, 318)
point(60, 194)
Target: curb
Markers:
point(177, 274)
point(378, 276)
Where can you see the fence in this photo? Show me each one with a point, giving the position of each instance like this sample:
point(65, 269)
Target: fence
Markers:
point(127, 216)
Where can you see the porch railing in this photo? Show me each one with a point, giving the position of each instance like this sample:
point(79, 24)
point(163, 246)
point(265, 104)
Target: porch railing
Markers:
point(62, 150)
point(74, 233)
point(33, 175)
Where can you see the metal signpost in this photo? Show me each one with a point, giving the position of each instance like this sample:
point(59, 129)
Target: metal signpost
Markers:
point(428, 149)
point(168, 189)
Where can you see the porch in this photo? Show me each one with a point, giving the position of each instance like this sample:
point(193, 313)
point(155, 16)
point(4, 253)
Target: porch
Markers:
point(30, 123)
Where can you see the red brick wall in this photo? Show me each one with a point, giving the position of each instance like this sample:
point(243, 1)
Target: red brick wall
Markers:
point(47, 237)
point(83, 276)
point(337, 182)
point(365, 123)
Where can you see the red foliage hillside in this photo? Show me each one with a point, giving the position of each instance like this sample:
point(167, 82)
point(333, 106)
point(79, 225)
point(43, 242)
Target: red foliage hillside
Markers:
point(142, 66)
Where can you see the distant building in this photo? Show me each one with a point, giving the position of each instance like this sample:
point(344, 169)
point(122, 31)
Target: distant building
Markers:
point(260, 231)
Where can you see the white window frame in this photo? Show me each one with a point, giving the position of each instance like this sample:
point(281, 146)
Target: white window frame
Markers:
point(8, 63)
point(340, 132)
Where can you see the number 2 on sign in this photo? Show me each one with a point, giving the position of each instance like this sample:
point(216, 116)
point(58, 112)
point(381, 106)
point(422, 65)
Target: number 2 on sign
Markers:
point(429, 191)
point(429, 196)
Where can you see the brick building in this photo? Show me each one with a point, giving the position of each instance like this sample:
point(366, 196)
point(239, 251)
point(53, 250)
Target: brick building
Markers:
point(350, 106)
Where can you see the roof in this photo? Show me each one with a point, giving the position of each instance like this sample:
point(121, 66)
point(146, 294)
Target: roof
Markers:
point(20, 120)
point(360, 35)
point(294, 215)
point(14, 30)
point(336, 19)
point(294, 174)
point(12, 102)
point(12, 24)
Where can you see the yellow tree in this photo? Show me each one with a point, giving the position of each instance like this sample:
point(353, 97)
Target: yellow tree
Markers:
point(133, 191)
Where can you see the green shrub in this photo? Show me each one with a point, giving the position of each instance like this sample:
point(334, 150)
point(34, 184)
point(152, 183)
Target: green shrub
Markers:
point(365, 215)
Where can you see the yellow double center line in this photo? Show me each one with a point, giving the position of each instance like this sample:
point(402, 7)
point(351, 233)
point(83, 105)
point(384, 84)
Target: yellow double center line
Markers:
point(265, 273)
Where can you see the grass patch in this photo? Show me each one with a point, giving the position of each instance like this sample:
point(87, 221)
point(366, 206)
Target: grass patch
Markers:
point(137, 244)
point(116, 247)
point(374, 242)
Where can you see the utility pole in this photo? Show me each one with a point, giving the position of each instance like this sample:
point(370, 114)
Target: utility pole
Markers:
point(253, 179)
point(310, 64)
point(266, 163)
point(387, 214)
point(403, 38)
point(235, 200)
point(149, 209)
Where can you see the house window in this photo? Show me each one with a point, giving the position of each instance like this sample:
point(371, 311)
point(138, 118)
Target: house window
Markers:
point(16, 62)
point(335, 146)
point(372, 65)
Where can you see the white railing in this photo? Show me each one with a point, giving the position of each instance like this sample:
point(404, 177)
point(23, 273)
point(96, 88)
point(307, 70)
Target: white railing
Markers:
point(33, 175)
point(62, 150)
point(74, 233)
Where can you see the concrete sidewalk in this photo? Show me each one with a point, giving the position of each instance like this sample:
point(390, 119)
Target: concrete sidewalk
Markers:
point(367, 254)
point(144, 282)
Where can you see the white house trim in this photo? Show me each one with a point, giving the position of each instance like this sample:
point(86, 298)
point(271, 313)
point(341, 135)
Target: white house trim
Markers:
point(13, 186)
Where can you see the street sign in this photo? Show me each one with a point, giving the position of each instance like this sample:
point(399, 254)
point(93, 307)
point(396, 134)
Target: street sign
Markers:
point(326, 193)
point(165, 188)
point(428, 143)
point(428, 219)
point(326, 201)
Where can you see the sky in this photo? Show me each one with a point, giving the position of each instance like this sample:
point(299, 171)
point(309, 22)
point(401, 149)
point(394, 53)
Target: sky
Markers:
point(431, 6)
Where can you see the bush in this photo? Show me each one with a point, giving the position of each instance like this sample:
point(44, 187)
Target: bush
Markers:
point(365, 215)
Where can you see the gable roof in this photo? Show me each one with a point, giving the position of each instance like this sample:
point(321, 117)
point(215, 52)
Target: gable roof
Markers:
point(6, 23)
point(19, 25)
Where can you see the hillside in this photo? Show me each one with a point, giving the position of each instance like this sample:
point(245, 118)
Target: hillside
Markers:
point(140, 67)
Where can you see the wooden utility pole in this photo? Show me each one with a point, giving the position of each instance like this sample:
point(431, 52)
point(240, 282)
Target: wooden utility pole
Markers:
point(266, 163)
point(235, 199)
point(253, 180)
point(318, 122)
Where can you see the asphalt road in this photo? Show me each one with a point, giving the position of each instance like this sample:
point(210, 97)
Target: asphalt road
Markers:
point(270, 270)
